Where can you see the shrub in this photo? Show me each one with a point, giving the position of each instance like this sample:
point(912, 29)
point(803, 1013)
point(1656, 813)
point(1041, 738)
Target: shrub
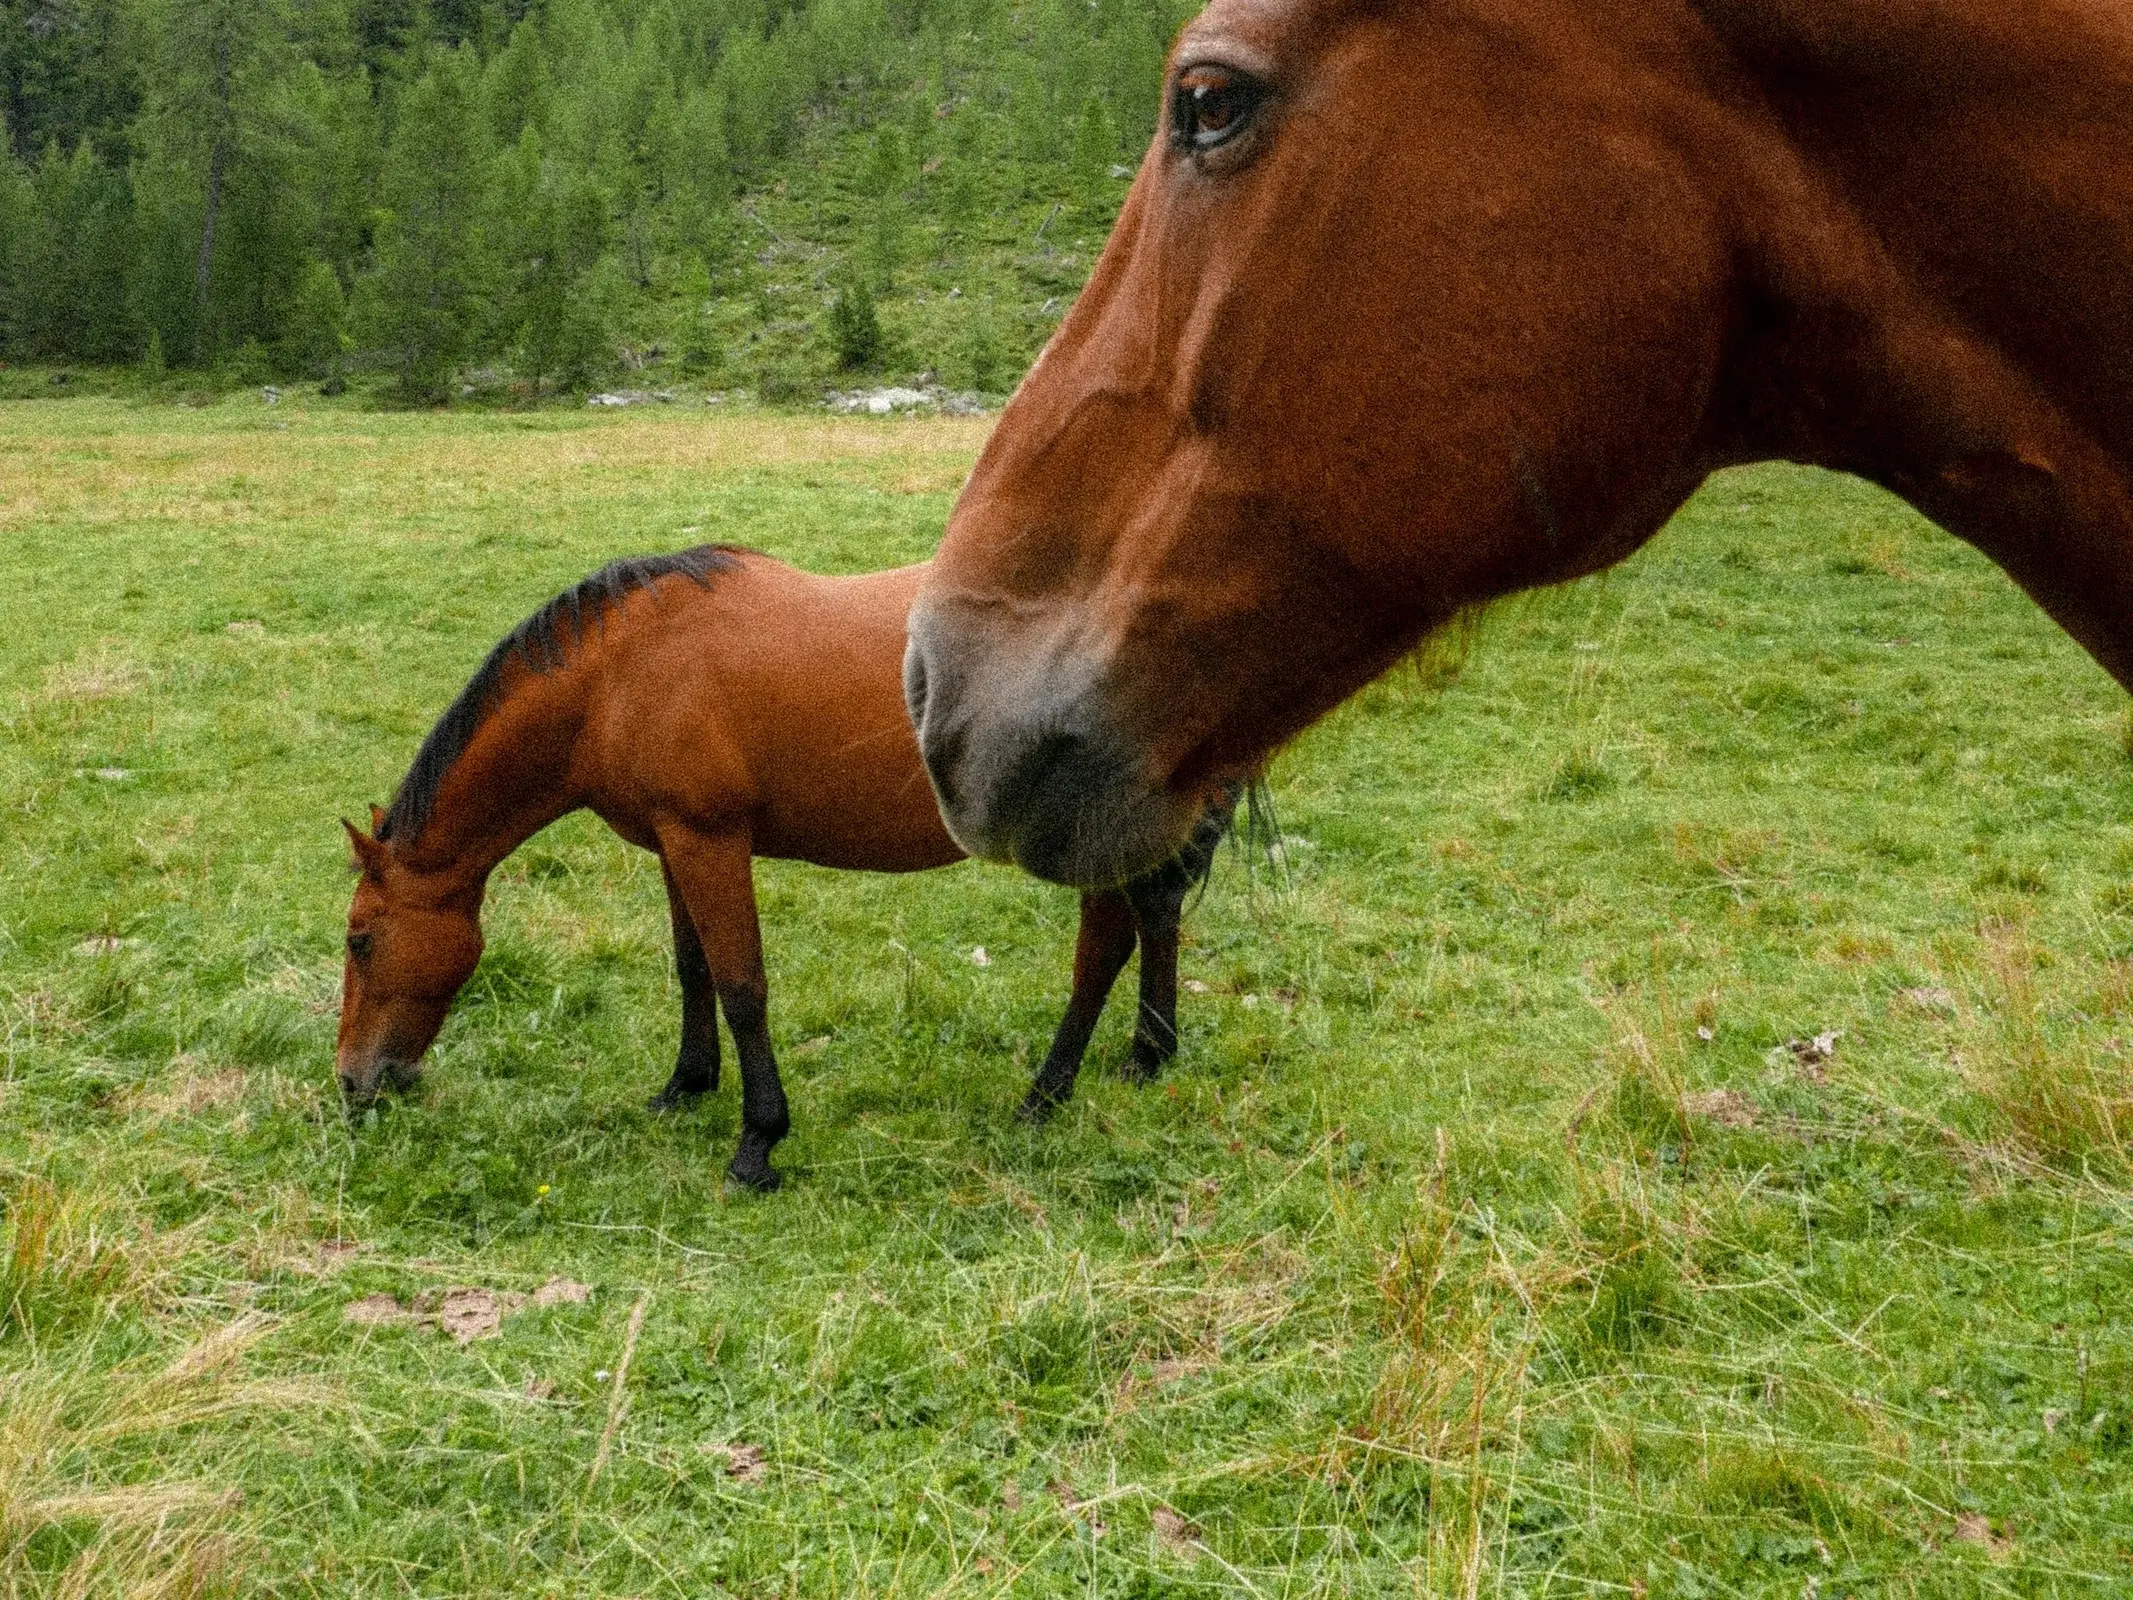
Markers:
point(855, 326)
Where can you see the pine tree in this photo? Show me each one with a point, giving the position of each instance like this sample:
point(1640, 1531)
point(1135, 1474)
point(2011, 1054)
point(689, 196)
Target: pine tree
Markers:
point(855, 324)
point(424, 301)
point(517, 87)
point(763, 83)
point(389, 34)
point(701, 351)
point(316, 340)
point(703, 180)
point(219, 117)
point(557, 316)
point(962, 189)
point(882, 181)
point(15, 218)
point(68, 72)
point(338, 175)
point(1135, 35)
point(650, 132)
point(69, 262)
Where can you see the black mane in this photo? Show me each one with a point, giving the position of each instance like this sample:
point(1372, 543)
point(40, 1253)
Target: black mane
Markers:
point(542, 643)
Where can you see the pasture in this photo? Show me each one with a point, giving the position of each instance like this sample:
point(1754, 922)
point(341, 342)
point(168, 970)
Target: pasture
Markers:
point(1659, 1126)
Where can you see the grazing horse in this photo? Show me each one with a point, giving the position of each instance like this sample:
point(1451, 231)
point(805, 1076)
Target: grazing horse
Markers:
point(1414, 305)
point(710, 706)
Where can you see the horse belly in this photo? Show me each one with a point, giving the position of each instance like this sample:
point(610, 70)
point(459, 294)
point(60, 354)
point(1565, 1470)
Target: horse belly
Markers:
point(857, 829)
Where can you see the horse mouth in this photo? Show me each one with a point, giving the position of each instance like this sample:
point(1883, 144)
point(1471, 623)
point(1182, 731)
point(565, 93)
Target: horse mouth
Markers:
point(1099, 830)
point(362, 1088)
point(1030, 756)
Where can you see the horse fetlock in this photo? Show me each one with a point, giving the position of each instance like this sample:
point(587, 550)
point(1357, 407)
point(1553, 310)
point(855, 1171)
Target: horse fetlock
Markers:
point(751, 1167)
point(766, 1127)
point(1043, 1100)
point(695, 1071)
point(675, 1096)
point(1147, 1061)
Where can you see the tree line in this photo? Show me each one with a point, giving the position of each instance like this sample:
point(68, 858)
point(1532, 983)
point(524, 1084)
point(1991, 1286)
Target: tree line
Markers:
point(302, 188)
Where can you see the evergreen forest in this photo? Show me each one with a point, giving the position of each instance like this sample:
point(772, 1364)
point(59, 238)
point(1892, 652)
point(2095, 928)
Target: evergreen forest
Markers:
point(514, 199)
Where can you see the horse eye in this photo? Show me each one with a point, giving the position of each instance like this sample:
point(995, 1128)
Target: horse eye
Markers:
point(359, 945)
point(1212, 106)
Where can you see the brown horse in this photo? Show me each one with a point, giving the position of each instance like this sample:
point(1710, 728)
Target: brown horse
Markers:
point(1413, 305)
point(710, 706)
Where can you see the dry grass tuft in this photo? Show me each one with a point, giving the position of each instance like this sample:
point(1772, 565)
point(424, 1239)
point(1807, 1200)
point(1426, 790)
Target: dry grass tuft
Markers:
point(2061, 1092)
point(1445, 1390)
point(1643, 1100)
point(189, 1092)
point(64, 1256)
point(71, 1524)
point(98, 674)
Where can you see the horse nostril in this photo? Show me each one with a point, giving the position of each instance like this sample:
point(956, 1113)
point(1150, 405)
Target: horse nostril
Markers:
point(349, 1086)
point(915, 684)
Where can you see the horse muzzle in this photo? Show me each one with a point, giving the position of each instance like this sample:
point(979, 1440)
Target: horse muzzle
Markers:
point(361, 1081)
point(1026, 762)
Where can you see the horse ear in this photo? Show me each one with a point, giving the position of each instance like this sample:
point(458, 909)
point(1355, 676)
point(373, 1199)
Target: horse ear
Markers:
point(377, 821)
point(369, 854)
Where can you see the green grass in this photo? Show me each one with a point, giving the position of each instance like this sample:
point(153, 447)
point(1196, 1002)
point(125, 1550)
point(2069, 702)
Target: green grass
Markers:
point(1489, 1238)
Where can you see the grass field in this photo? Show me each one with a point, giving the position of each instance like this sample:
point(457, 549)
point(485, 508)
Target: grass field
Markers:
point(1504, 1229)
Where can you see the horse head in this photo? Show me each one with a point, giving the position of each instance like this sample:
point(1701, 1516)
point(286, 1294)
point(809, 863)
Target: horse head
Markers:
point(408, 956)
point(1411, 306)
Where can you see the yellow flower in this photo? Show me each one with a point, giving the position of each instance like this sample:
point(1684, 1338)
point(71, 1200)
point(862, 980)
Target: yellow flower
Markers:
point(543, 1189)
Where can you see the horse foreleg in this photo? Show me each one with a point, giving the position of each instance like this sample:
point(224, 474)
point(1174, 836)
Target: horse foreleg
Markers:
point(718, 889)
point(1158, 902)
point(1100, 952)
point(1157, 909)
point(696, 1064)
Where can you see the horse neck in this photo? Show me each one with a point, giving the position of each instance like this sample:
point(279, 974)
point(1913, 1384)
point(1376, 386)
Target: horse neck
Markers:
point(1970, 148)
point(1938, 208)
point(513, 778)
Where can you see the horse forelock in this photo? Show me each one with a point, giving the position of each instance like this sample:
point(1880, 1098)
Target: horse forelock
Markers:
point(541, 644)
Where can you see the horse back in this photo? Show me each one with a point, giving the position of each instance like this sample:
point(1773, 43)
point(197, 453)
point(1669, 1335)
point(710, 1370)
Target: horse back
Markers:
point(770, 701)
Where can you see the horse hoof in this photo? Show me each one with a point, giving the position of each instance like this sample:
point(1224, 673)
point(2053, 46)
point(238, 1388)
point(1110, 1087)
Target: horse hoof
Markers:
point(1141, 1069)
point(672, 1099)
point(761, 1177)
point(1037, 1107)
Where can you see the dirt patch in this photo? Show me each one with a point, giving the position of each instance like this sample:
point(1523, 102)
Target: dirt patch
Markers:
point(1142, 1380)
point(325, 1258)
point(467, 1313)
point(464, 1311)
point(98, 677)
point(1813, 1056)
point(745, 1463)
point(375, 1311)
point(1970, 1528)
point(1195, 1208)
point(1174, 1532)
point(1082, 1511)
point(1727, 1108)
